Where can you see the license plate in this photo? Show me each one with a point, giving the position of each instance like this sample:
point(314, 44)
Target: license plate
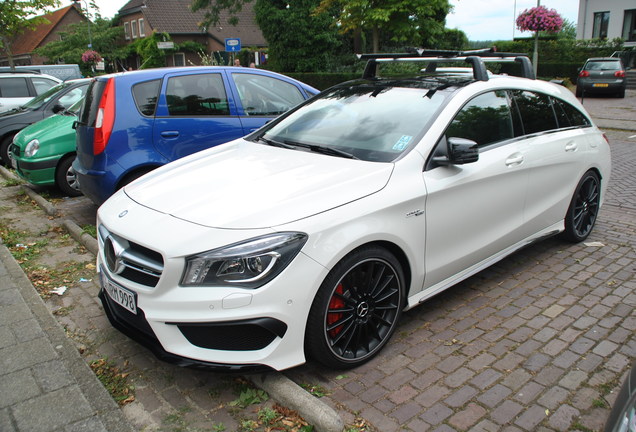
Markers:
point(119, 295)
point(600, 85)
point(14, 163)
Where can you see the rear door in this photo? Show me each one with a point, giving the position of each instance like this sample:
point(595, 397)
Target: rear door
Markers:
point(195, 112)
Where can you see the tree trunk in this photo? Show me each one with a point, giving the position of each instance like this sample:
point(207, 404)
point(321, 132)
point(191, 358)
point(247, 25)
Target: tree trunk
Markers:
point(6, 43)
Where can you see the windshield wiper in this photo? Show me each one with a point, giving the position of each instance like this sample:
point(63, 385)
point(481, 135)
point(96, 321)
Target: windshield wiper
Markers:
point(323, 150)
point(275, 143)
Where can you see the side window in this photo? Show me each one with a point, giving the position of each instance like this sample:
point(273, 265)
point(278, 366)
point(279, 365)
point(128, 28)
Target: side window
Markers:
point(14, 87)
point(72, 96)
point(573, 115)
point(265, 96)
point(191, 95)
point(486, 120)
point(536, 112)
point(42, 84)
point(146, 95)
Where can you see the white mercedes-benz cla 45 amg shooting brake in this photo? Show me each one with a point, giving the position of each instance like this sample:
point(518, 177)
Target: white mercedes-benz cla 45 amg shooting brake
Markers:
point(308, 238)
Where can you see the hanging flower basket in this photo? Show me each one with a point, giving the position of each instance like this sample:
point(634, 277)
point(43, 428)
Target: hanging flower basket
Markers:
point(539, 19)
point(91, 56)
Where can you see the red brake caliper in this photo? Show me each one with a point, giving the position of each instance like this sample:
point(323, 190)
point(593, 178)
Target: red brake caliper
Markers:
point(332, 317)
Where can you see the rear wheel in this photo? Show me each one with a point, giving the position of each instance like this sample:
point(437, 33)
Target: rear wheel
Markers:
point(356, 309)
point(66, 177)
point(583, 209)
point(131, 177)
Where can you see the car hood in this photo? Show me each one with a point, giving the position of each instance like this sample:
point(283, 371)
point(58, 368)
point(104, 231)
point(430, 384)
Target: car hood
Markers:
point(244, 185)
point(45, 130)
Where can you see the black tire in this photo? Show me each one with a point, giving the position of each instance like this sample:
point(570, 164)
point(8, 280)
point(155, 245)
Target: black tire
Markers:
point(356, 309)
point(621, 94)
point(66, 178)
point(584, 207)
point(131, 177)
point(4, 150)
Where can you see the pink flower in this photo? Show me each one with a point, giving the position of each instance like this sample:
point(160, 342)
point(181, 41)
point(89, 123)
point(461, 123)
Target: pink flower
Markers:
point(540, 18)
point(91, 56)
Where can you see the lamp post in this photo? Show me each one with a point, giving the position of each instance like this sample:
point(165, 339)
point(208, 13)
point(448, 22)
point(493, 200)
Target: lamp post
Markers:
point(88, 19)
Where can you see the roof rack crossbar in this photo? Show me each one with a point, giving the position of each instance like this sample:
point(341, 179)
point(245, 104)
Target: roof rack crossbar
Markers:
point(526, 67)
point(479, 68)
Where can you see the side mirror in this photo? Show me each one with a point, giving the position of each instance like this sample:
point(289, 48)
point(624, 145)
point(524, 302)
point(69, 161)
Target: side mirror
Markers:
point(462, 151)
point(58, 108)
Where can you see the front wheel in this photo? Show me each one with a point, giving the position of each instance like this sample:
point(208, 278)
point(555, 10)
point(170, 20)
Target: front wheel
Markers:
point(5, 155)
point(66, 177)
point(583, 209)
point(356, 309)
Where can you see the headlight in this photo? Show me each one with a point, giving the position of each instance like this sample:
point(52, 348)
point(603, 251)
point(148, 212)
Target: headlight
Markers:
point(32, 148)
point(248, 264)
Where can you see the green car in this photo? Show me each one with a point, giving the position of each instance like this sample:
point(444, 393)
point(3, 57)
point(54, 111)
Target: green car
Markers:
point(44, 151)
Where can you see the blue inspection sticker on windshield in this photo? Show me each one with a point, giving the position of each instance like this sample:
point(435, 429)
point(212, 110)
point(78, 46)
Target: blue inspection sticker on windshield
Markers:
point(402, 143)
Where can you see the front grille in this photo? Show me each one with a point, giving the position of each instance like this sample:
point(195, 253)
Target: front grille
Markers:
point(130, 260)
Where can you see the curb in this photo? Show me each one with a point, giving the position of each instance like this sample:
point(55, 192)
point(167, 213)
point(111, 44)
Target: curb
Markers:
point(277, 385)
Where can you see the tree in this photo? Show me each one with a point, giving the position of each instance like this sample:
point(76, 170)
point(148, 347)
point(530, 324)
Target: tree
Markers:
point(215, 7)
point(15, 19)
point(299, 40)
point(400, 20)
point(73, 44)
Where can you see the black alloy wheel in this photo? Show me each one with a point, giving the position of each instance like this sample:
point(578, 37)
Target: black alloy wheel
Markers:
point(66, 177)
point(356, 309)
point(583, 209)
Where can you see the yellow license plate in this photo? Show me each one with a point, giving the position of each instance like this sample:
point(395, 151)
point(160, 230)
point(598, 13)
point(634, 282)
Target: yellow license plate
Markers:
point(600, 85)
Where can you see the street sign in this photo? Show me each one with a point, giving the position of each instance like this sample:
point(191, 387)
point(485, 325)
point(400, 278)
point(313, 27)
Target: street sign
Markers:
point(165, 45)
point(233, 44)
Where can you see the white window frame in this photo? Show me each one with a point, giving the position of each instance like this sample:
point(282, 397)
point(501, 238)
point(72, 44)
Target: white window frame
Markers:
point(174, 58)
point(142, 27)
point(133, 28)
point(127, 30)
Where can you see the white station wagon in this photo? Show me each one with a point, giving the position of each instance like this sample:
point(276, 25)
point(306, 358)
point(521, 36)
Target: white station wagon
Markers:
point(308, 238)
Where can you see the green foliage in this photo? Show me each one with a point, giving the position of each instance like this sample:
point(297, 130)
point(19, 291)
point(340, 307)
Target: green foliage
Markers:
point(299, 40)
point(249, 396)
point(213, 9)
point(74, 41)
point(16, 17)
point(152, 56)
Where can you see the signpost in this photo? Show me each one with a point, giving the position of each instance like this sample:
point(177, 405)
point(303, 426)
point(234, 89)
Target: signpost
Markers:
point(233, 44)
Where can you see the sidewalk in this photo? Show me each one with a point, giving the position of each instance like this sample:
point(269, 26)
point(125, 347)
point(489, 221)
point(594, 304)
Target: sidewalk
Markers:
point(44, 383)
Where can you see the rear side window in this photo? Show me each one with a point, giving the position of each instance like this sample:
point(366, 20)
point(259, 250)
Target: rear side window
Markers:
point(536, 112)
point(486, 120)
point(266, 96)
point(88, 114)
point(194, 95)
point(569, 116)
point(14, 87)
point(42, 84)
point(146, 95)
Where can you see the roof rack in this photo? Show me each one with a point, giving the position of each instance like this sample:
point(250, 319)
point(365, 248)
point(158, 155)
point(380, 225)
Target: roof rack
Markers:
point(7, 69)
point(475, 58)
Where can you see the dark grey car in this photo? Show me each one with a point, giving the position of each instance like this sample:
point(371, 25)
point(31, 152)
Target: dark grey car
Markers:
point(602, 75)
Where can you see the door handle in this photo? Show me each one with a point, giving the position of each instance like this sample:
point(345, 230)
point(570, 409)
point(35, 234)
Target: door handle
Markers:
point(570, 147)
point(514, 160)
point(170, 134)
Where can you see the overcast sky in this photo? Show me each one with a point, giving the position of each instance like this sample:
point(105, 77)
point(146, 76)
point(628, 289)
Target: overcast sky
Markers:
point(479, 19)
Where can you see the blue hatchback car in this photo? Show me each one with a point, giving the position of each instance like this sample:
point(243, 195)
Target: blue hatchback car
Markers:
point(134, 122)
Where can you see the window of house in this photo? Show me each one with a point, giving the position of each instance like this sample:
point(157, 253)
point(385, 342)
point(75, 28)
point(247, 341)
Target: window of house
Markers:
point(629, 26)
point(178, 59)
point(201, 94)
point(133, 28)
point(127, 30)
point(142, 28)
point(601, 23)
point(486, 119)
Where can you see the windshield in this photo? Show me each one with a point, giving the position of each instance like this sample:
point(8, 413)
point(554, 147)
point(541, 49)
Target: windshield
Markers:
point(40, 100)
point(372, 122)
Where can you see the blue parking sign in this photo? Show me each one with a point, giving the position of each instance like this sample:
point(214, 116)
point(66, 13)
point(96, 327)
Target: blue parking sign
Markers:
point(232, 44)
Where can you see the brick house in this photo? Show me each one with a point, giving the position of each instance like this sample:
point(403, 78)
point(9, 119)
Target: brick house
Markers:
point(141, 18)
point(25, 43)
